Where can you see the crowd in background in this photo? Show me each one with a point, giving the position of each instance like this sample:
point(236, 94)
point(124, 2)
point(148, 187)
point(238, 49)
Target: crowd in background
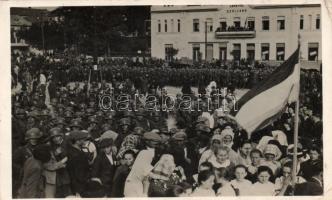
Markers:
point(65, 144)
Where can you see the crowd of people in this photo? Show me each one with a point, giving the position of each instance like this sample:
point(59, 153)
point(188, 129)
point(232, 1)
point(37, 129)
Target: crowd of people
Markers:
point(66, 143)
point(68, 69)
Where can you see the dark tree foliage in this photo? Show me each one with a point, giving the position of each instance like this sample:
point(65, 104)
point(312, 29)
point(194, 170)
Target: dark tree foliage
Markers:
point(92, 30)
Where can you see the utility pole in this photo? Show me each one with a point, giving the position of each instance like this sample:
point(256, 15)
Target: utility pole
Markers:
point(42, 31)
point(94, 36)
point(205, 39)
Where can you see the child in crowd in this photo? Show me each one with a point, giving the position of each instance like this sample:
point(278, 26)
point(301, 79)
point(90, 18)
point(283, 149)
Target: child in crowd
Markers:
point(240, 183)
point(205, 183)
point(263, 187)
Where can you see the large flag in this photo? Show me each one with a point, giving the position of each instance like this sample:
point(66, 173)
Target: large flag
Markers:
point(267, 101)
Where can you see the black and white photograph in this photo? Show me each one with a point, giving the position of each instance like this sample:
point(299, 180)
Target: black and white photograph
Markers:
point(118, 101)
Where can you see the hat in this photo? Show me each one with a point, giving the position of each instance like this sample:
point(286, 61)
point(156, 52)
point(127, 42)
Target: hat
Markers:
point(201, 119)
point(99, 113)
point(33, 133)
point(34, 114)
point(138, 130)
point(92, 119)
point(219, 113)
point(68, 114)
point(272, 149)
point(140, 112)
point(106, 142)
point(127, 114)
point(227, 131)
point(109, 134)
point(155, 114)
point(78, 135)
point(152, 136)
point(76, 123)
point(179, 136)
point(164, 130)
point(90, 111)
point(290, 150)
point(56, 132)
point(216, 137)
point(20, 111)
point(60, 120)
point(79, 114)
point(203, 128)
point(124, 121)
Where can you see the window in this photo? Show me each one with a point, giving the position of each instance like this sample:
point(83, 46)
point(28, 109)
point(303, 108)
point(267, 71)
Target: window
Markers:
point(159, 26)
point(165, 26)
point(209, 52)
point(310, 21)
point(179, 25)
point(237, 22)
point(196, 52)
point(301, 22)
point(168, 52)
point(209, 25)
point(313, 51)
point(318, 22)
point(223, 24)
point(172, 25)
point(236, 51)
point(265, 23)
point(280, 23)
point(196, 25)
point(265, 51)
point(223, 51)
point(251, 52)
point(251, 23)
point(280, 49)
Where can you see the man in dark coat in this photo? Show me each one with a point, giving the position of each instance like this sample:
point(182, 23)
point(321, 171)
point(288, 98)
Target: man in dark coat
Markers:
point(20, 155)
point(78, 163)
point(105, 165)
point(308, 167)
point(314, 184)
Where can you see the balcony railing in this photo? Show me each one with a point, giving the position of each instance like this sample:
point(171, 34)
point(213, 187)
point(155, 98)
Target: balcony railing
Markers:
point(235, 32)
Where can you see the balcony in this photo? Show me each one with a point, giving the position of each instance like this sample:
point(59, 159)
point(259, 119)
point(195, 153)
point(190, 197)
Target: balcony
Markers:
point(235, 32)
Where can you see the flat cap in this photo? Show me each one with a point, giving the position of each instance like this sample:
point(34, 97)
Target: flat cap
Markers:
point(179, 136)
point(152, 136)
point(78, 135)
point(106, 142)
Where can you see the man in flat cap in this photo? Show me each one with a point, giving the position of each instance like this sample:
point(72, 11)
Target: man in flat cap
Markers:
point(104, 167)
point(78, 162)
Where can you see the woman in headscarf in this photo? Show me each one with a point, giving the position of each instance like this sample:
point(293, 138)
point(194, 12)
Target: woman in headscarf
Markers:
point(271, 156)
point(215, 141)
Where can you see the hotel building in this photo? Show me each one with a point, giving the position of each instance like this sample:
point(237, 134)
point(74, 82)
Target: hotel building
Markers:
point(266, 33)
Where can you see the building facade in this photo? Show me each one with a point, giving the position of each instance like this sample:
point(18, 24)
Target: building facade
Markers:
point(232, 32)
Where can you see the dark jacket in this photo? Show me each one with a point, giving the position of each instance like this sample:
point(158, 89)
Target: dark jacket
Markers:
point(119, 180)
point(78, 169)
point(33, 181)
point(310, 188)
point(104, 170)
point(307, 168)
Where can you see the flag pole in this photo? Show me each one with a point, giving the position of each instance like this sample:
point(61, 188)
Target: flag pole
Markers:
point(296, 127)
point(88, 90)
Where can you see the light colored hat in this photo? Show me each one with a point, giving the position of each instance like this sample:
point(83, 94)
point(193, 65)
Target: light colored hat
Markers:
point(109, 134)
point(216, 137)
point(227, 131)
point(272, 149)
point(152, 136)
